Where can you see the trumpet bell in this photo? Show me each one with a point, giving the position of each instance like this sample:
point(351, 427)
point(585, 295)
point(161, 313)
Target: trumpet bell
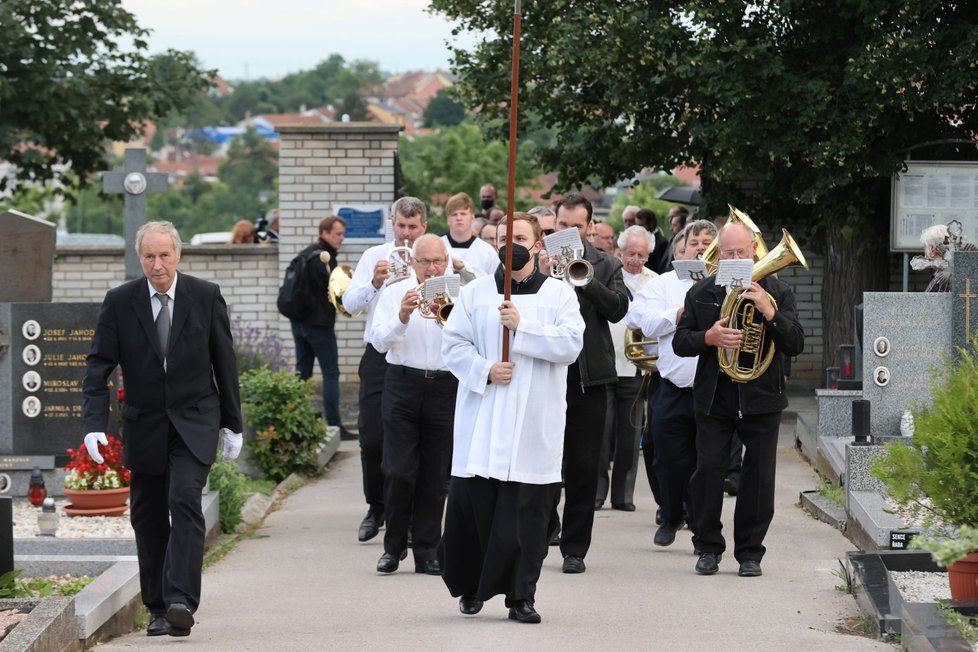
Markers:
point(635, 344)
point(579, 272)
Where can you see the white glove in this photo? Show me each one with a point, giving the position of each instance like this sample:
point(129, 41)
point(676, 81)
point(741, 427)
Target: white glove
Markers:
point(230, 444)
point(92, 440)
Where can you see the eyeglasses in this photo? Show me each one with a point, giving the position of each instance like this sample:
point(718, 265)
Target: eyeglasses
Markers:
point(735, 253)
point(640, 257)
point(428, 262)
point(547, 231)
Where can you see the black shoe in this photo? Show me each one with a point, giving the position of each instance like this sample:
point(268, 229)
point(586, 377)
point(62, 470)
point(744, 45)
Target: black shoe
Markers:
point(428, 567)
point(158, 626)
point(180, 618)
point(624, 507)
point(658, 517)
point(665, 535)
point(469, 606)
point(573, 564)
point(708, 563)
point(750, 568)
point(554, 538)
point(369, 526)
point(389, 562)
point(731, 485)
point(524, 612)
point(346, 435)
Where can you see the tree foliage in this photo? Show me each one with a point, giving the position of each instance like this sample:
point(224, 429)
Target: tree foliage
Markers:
point(443, 111)
point(74, 75)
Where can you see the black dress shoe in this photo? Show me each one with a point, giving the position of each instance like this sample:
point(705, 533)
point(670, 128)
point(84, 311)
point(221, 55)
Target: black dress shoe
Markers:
point(554, 538)
point(573, 564)
point(731, 485)
point(469, 606)
point(428, 567)
point(180, 618)
point(369, 526)
point(524, 612)
point(750, 568)
point(658, 517)
point(158, 626)
point(389, 562)
point(708, 563)
point(624, 507)
point(665, 535)
point(346, 435)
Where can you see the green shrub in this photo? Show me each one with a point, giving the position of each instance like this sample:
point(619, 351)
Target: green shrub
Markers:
point(226, 479)
point(288, 435)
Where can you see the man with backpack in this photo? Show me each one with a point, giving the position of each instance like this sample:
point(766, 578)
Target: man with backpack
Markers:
point(303, 299)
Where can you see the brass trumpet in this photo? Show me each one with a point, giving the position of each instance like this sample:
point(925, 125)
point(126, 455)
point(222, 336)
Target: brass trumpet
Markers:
point(437, 308)
point(635, 344)
point(752, 358)
point(571, 266)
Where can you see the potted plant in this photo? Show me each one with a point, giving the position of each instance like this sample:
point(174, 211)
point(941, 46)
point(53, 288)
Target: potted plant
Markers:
point(934, 478)
point(97, 489)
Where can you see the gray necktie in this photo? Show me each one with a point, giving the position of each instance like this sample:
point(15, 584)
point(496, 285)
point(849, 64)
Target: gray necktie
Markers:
point(163, 322)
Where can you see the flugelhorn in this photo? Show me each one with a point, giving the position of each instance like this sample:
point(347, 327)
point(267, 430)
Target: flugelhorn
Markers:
point(400, 268)
point(437, 308)
point(570, 265)
point(635, 350)
point(752, 358)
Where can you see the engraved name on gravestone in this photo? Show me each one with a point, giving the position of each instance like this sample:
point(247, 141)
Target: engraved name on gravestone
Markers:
point(905, 336)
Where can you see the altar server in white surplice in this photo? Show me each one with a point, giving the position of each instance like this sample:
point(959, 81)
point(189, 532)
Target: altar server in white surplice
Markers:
point(509, 427)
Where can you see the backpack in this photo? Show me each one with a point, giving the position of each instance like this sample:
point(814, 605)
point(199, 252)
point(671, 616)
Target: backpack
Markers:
point(296, 298)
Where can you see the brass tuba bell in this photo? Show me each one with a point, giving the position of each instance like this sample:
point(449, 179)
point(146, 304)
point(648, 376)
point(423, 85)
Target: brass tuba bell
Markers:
point(712, 254)
point(635, 344)
point(751, 359)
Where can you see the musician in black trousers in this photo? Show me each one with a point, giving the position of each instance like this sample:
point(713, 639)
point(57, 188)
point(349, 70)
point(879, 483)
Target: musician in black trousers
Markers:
point(722, 406)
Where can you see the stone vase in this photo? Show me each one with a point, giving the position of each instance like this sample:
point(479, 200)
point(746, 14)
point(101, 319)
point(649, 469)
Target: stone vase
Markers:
point(97, 502)
point(963, 576)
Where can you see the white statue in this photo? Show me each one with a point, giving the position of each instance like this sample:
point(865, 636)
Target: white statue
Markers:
point(906, 424)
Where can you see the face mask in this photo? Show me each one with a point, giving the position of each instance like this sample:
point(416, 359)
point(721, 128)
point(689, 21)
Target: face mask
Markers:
point(521, 256)
point(487, 204)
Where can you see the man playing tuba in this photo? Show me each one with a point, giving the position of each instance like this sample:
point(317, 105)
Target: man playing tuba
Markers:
point(722, 406)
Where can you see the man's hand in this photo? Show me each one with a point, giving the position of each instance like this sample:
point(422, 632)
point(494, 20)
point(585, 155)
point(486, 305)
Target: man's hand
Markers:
point(509, 316)
point(92, 440)
point(761, 299)
point(721, 336)
point(230, 444)
point(501, 373)
point(380, 273)
point(409, 304)
point(544, 262)
point(458, 264)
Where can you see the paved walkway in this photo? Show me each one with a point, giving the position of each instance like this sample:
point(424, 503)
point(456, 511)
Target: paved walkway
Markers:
point(305, 583)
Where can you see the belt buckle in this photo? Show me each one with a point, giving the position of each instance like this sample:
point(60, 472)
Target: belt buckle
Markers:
point(429, 374)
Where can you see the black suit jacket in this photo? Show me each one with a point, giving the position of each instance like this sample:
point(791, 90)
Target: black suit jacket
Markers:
point(198, 392)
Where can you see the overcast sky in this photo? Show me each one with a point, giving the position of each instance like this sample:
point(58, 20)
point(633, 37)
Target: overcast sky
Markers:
point(251, 39)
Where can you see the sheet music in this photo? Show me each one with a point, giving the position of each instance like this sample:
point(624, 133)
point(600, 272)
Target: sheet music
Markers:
point(694, 270)
point(569, 238)
point(734, 274)
point(441, 285)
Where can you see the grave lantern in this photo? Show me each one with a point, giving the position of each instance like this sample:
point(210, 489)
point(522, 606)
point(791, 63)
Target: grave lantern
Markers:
point(36, 491)
point(47, 518)
point(832, 378)
point(847, 356)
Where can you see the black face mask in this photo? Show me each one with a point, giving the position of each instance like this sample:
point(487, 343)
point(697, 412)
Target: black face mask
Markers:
point(521, 256)
point(487, 204)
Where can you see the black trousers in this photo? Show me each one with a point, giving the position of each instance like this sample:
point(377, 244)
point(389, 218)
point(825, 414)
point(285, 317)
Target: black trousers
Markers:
point(582, 447)
point(673, 431)
point(373, 367)
point(620, 443)
point(166, 515)
point(495, 537)
point(648, 446)
point(418, 418)
point(755, 499)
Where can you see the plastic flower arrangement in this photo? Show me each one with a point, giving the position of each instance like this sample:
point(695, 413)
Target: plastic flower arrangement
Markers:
point(84, 474)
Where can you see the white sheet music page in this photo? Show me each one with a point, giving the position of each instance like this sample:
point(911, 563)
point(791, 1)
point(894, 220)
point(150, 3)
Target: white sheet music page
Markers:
point(568, 238)
point(440, 285)
point(734, 273)
point(694, 270)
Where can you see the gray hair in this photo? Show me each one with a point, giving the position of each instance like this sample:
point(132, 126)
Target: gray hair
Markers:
point(409, 207)
point(631, 208)
point(425, 238)
point(699, 225)
point(164, 227)
point(936, 237)
point(542, 211)
point(636, 231)
point(730, 225)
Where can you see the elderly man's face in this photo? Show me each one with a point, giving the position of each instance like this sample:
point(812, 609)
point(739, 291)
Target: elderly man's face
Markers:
point(430, 259)
point(635, 253)
point(696, 244)
point(604, 238)
point(736, 243)
point(159, 259)
point(489, 234)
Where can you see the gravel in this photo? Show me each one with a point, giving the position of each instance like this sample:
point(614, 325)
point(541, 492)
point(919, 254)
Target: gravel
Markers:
point(921, 586)
point(70, 527)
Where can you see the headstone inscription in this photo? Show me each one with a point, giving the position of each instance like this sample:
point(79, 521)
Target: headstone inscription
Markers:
point(905, 336)
point(28, 251)
point(135, 182)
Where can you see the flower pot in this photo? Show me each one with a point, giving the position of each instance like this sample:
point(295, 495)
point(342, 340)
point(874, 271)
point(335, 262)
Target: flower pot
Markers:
point(963, 576)
point(97, 502)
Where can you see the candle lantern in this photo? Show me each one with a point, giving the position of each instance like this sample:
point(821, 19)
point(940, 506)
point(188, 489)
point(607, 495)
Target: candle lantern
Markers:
point(832, 378)
point(847, 358)
point(36, 491)
point(47, 518)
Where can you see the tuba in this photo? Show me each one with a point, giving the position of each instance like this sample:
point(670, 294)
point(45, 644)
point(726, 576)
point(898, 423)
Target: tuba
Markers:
point(400, 268)
point(712, 254)
point(571, 266)
point(437, 308)
point(635, 344)
point(751, 359)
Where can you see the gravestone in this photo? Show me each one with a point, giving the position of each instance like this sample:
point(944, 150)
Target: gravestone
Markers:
point(135, 183)
point(28, 251)
point(905, 336)
point(964, 298)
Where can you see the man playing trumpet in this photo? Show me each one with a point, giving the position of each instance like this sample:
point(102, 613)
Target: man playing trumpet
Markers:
point(722, 406)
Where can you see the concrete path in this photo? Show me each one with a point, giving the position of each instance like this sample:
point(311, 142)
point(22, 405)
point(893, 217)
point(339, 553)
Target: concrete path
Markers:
point(305, 583)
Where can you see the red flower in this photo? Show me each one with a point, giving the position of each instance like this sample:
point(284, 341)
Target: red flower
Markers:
point(83, 464)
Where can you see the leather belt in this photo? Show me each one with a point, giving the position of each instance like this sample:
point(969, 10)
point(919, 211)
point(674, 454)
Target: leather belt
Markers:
point(677, 388)
point(428, 374)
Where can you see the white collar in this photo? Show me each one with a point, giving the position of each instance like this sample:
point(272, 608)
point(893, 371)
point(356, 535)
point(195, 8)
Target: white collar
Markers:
point(171, 293)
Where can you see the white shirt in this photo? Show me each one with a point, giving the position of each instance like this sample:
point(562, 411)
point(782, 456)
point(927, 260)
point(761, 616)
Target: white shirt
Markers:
point(155, 302)
point(479, 256)
point(512, 432)
point(654, 311)
point(361, 295)
point(415, 344)
point(634, 283)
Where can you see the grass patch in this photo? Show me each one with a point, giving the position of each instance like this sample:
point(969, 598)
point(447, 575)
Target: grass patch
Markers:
point(833, 492)
point(55, 585)
point(261, 486)
point(858, 626)
point(967, 627)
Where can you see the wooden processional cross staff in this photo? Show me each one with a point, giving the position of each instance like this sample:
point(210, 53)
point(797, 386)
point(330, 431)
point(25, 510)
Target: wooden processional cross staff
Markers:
point(511, 186)
point(136, 183)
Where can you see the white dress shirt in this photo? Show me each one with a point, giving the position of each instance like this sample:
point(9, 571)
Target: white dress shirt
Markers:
point(654, 311)
point(361, 295)
point(416, 344)
point(634, 283)
point(155, 302)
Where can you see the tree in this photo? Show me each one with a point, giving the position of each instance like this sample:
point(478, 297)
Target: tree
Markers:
point(74, 75)
point(443, 111)
point(797, 111)
point(249, 172)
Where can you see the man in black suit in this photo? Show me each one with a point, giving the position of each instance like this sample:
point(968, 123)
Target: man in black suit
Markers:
point(171, 336)
point(659, 260)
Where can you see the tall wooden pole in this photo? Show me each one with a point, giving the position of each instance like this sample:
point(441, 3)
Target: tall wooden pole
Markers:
point(511, 185)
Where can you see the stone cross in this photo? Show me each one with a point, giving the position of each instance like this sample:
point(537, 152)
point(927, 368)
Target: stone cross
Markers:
point(135, 182)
